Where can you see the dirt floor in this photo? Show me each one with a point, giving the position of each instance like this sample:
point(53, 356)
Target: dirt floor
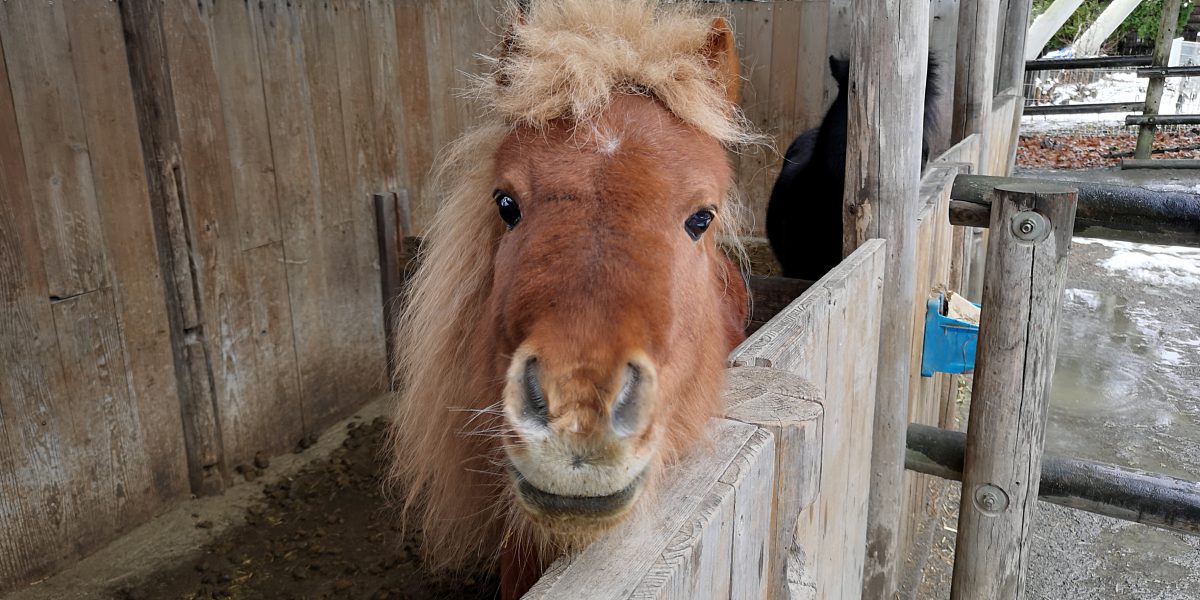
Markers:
point(323, 533)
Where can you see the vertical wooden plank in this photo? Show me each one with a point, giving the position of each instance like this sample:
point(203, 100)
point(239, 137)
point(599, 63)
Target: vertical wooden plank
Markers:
point(268, 418)
point(106, 96)
point(244, 112)
point(1017, 337)
point(355, 91)
point(943, 40)
point(146, 49)
point(752, 480)
point(33, 425)
point(280, 314)
point(974, 70)
point(812, 65)
point(351, 257)
point(322, 78)
point(755, 176)
point(105, 444)
point(1010, 43)
point(414, 95)
point(208, 198)
point(856, 298)
point(387, 107)
point(444, 117)
point(46, 99)
point(781, 97)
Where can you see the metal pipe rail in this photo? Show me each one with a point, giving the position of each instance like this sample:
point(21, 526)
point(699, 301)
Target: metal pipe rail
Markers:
point(1103, 489)
point(1115, 212)
point(1086, 109)
point(1162, 119)
point(1186, 71)
point(1099, 62)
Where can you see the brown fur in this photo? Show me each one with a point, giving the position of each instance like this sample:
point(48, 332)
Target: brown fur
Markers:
point(600, 265)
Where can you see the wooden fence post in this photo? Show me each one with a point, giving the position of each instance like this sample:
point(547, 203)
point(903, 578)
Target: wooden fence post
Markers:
point(883, 178)
point(1031, 227)
point(1154, 89)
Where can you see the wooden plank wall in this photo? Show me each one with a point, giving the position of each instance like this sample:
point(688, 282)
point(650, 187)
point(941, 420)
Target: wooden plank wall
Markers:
point(188, 268)
point(89, 411)
point(829, 336)
point(784, 48)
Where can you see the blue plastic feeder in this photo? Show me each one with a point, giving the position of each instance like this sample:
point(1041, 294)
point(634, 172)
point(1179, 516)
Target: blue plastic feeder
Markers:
point(949, 343)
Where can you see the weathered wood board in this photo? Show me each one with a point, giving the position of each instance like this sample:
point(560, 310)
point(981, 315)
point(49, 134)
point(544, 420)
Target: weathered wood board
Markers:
point(789, 407)
point(90, 440)
point(829, 336)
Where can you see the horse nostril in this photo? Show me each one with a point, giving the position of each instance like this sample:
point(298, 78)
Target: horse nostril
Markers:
point(534, 406)
point(626, 414)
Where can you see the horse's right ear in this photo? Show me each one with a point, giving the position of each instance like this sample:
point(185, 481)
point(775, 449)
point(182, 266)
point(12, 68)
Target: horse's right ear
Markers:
point(840, 69)
point(721, 53)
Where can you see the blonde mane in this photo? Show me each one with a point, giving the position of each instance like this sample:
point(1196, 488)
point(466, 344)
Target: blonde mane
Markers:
point(564, 59)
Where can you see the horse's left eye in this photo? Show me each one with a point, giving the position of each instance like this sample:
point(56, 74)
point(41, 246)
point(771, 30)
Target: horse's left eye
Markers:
point(698, 223)
point(509, 211)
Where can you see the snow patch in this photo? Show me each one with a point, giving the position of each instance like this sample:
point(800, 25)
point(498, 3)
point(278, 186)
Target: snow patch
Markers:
point(1162, 268)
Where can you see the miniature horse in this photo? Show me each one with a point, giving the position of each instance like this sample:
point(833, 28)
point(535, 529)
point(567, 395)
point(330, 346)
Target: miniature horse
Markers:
point(566, 332)
point(804, 216)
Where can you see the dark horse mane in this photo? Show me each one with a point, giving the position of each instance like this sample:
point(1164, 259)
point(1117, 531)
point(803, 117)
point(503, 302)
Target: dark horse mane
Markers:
point(804, 216)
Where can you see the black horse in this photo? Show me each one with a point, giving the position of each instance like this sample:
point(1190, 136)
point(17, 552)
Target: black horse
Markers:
point(804, 217)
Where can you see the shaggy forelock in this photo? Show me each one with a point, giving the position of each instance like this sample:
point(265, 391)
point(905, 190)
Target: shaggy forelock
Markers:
point(567, 58)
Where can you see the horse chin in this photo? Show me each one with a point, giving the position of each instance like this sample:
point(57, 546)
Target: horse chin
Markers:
point(575, 519)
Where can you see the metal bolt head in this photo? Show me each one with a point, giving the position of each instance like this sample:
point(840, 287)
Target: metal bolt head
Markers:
point(990, 499)
point(1030, 226)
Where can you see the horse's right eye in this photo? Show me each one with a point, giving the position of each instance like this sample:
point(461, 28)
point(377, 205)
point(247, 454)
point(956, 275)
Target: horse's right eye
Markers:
point(509, 211)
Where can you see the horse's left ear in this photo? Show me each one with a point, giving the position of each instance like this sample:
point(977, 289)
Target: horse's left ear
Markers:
point(721, 53)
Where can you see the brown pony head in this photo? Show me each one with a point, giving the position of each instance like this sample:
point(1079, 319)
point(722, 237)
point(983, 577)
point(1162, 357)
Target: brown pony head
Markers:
point(567, 330)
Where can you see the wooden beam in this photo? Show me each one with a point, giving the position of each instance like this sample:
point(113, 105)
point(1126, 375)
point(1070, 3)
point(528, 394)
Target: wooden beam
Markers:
point(1027, 266)
point(1116, 492)
point(1154, 89)
point(974, 80)
point(1014, 24)
point(881, 201)
point(1047, 24)
point(1110, 19)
